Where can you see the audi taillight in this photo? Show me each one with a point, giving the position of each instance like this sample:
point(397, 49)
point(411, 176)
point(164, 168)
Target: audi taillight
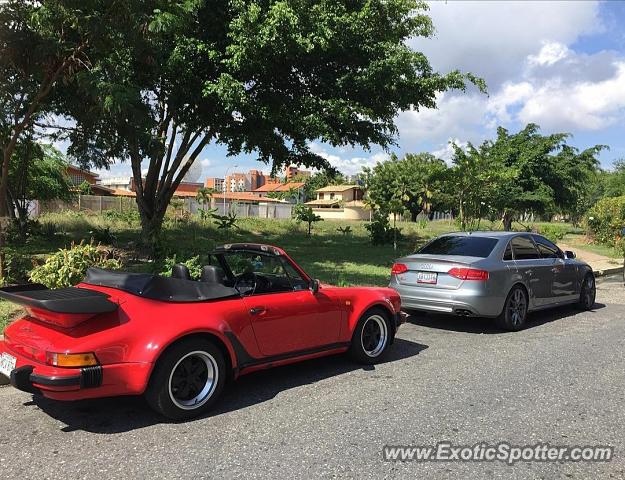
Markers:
point(398, 268)
point(468, 274)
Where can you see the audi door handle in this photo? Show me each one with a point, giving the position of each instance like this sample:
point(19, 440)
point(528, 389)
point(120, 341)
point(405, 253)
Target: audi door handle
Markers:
point(257, 310)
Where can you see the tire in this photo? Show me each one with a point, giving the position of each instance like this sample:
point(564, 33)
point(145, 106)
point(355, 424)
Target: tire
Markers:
point(180, 386)
point(514, 313)
point(588, 293)
point(371, 337)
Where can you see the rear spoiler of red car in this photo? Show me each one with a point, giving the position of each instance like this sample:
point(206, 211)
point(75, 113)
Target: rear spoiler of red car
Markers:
point(65, 307)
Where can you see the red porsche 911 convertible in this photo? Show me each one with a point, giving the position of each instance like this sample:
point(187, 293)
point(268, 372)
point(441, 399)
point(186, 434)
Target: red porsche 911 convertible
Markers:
point(178, 340)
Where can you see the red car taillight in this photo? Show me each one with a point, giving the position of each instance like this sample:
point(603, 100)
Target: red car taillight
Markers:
point(398, 268)
point(468, 274)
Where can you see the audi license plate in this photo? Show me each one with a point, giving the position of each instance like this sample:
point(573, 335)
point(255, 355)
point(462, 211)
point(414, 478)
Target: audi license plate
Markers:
point(7, 364)
point(427, 277)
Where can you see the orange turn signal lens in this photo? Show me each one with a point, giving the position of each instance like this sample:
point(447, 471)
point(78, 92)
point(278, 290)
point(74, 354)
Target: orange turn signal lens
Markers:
point(71, 359)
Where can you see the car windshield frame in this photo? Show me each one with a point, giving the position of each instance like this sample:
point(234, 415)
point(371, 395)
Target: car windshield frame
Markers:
point(487, 243)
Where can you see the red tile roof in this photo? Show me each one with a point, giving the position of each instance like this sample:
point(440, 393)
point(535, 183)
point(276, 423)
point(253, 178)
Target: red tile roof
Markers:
point(236, 196)
point(279, 187)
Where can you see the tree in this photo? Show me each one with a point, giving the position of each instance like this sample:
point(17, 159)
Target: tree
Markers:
point(385, 194)
point(613, 181)
point(38, 172)
point(204, 196)
point(266, 77)
point(409, 185)
point(44, 46)
point(303, 213)
point(85, 188)
point(522, 173)
point(419, 178)
point(550, 175)
point(292, 195)
point(472, 180)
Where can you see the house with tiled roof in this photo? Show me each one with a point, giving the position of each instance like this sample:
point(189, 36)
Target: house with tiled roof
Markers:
point(340, 202)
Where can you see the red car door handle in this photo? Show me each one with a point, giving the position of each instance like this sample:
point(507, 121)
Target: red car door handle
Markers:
point(257, 310)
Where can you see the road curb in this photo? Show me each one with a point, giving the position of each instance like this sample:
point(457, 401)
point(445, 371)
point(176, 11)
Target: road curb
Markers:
point(3, 380)
point(608, 271)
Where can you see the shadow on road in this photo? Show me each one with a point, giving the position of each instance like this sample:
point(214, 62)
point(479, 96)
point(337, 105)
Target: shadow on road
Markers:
point(487, 325)
point(122, 414)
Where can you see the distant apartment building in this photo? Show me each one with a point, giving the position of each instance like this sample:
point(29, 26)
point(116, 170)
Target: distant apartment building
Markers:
point(246, 182)
point(78, 176)
point(292, 172)
point(215, 183)
point(116, 183)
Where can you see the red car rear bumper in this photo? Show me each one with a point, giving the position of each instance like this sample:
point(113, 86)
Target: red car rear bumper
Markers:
point(77, 383)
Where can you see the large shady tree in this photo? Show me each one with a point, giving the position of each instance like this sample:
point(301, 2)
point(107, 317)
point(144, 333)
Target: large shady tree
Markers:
point(44, 45)
point(260, 76)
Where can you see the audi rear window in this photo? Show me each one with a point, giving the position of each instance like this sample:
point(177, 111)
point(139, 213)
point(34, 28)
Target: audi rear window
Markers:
point(465, 246)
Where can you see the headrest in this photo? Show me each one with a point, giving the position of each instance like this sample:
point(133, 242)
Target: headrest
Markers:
point(180, 271)
point(212, 274)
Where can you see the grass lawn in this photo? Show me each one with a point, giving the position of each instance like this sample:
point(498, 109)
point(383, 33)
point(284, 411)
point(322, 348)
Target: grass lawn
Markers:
point(327, 254)
point(581, 242)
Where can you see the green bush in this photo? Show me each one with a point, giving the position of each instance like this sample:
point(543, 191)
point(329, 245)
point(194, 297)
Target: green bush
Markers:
point(304, 213)
point(129, 217)
point(193, 264)
point(380, 230)
point(48, 230)
point(555, 233)
point(103, 235)
point(606, 220)
point(16, 267)
point(68, 266)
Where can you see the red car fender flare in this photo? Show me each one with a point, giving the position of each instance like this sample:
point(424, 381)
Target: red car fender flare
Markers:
point(219, 338)
point(358, 312)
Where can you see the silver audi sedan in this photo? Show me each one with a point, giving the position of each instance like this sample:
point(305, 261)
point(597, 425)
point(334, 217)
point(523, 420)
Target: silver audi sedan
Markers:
point(503, 275)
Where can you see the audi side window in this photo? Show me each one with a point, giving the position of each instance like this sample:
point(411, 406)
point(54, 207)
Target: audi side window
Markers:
point(524, 249)
point(508, 253)
point(546, 248)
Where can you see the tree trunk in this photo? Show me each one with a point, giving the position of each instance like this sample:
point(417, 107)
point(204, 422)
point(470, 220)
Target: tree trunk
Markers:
point(394, 231)
point(507, 221)
point(151, 227)
point(463, 224)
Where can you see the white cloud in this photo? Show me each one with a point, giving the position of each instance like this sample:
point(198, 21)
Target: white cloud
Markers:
point(585, 105)
point(560, 103)
point(347, 165)
point(446, 151)
point(523, 50)
point(457, 116)
point(552, 52)
point(493, 39)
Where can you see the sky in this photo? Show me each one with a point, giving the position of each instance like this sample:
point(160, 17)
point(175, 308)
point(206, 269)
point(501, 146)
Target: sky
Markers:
point(560, 64)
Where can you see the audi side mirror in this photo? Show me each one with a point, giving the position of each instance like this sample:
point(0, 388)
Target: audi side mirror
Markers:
point(314, 286)
point(569, 254)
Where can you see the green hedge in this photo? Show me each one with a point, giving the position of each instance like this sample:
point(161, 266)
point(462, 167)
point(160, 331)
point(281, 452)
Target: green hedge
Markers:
point(606, 220)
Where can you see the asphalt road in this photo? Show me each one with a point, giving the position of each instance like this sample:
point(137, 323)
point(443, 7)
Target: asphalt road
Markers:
point(561, 381)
